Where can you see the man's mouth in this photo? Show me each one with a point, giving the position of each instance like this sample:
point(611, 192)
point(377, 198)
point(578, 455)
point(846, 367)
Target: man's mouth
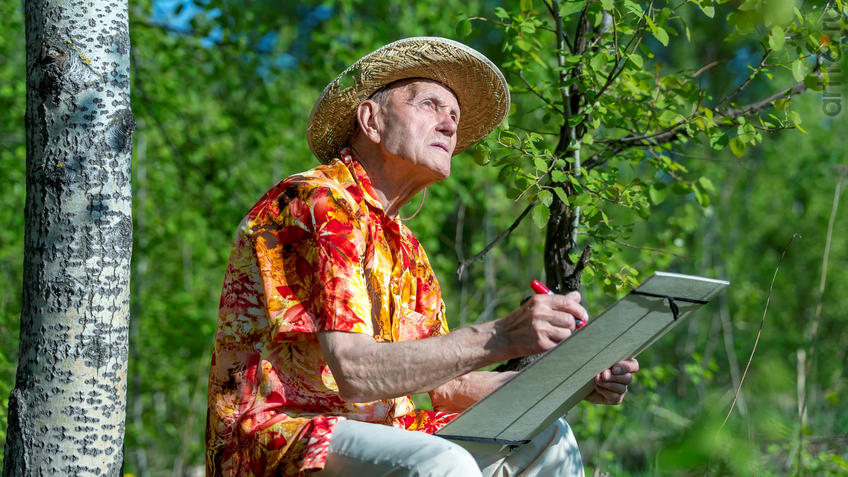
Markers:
point(440, 146)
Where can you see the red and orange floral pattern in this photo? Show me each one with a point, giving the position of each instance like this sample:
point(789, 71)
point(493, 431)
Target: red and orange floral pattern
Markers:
point(316, 253)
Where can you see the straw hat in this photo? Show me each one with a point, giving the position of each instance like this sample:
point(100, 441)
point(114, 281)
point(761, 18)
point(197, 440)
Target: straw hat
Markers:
point(478, 84)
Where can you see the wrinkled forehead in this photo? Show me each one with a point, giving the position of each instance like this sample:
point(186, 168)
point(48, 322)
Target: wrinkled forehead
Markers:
point(410, 88)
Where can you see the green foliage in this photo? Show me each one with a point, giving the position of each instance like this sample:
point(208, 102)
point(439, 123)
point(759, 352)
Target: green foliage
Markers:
point(12, 183)
point(589, 86)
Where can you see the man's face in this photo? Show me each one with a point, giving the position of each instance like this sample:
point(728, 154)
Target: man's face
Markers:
point(418, 125)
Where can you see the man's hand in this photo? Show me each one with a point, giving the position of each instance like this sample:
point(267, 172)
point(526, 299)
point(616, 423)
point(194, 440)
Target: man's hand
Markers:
point(541, 322)
point(611, 384)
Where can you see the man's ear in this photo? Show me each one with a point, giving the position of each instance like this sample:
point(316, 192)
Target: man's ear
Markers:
point(367, 121)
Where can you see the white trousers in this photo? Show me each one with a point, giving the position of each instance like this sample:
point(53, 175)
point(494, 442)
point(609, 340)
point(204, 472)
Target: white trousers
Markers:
point(375, 450)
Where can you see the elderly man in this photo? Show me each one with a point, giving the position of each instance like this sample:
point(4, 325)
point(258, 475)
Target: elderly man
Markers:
point(331, 316)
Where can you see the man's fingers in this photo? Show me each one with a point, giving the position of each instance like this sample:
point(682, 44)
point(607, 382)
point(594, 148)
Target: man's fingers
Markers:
point(611, 386)
point(573, 296)
point(562, 303)
point(603, 396)
point(625, 366)
point(562, 320)
point(609, 376)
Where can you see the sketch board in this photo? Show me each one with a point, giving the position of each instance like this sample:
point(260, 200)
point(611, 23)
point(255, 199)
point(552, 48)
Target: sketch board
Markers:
point(544, 391)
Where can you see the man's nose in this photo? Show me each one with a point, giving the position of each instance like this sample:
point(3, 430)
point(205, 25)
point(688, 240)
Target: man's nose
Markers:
point(447, 124)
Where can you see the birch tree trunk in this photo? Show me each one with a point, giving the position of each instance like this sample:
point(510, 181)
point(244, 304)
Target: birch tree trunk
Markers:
point(66, 412)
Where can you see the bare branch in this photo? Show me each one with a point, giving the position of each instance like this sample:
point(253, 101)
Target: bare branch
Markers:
point(465, 263)
point(601, 156)
point(615, 37)
point(647, 249)
point(538, 93)
point(553, 9)
point(708, 66)
point(734, 113)
point(748, 80)
point(759, 332)
point(148, 105)
point(674, 131)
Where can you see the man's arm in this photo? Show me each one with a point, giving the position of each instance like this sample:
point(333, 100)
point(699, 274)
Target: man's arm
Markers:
point(366, 370)
point(460, 393)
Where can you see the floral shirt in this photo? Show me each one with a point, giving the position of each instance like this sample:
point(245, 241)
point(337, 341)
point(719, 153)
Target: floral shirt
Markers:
point(316, 253)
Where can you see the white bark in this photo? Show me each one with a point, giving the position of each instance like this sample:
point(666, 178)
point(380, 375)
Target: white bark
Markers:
point(66, 413)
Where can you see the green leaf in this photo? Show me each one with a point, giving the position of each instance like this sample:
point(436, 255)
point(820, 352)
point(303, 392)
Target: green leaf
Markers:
point(463, 28)
point(661, 35)
point(546, 197)
point(795, 117)
point(737, 147)
point(658, 192)
point(781, 104)
point(570, 8)
point(481, 155)
point(540, 164)
point(558, 176)
point(777, 38)
point(501, 13)
point(680, 188)
point(607, 5)
point(572, 60)
point(706, 184)
point(750, 5)
point(702, 197)
point(561, 194)
point(798, 70)
point(605, 218)
point(813, 83)
point(581, 199)
point(598, 61)
point(798, 15)
point(636, 59)
point(526, 5)
point(541, 214)
point(633, 7)
point(575, 120)
point(505, 174)
point(708, 11)
point(719, 140)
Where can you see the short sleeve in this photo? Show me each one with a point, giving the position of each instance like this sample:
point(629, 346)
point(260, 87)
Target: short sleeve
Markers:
point(310, 259)
point(340, 243)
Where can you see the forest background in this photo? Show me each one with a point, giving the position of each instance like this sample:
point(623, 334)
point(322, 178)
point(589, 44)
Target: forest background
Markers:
point(221, 91)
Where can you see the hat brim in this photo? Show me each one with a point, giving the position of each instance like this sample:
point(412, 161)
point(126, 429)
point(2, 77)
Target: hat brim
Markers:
point(479, 85)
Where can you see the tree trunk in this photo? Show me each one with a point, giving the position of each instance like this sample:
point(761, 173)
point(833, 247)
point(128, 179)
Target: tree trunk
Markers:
point(66, 412)
point(561, 272)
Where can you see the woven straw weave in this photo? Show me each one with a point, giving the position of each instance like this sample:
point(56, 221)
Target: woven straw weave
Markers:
point(478, 84)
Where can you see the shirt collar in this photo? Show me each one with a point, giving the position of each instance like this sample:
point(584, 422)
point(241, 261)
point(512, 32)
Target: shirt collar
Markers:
point(361, 177)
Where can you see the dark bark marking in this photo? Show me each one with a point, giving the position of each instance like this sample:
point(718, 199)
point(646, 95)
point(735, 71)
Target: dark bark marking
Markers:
point(16, 457)
point(120, 130)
